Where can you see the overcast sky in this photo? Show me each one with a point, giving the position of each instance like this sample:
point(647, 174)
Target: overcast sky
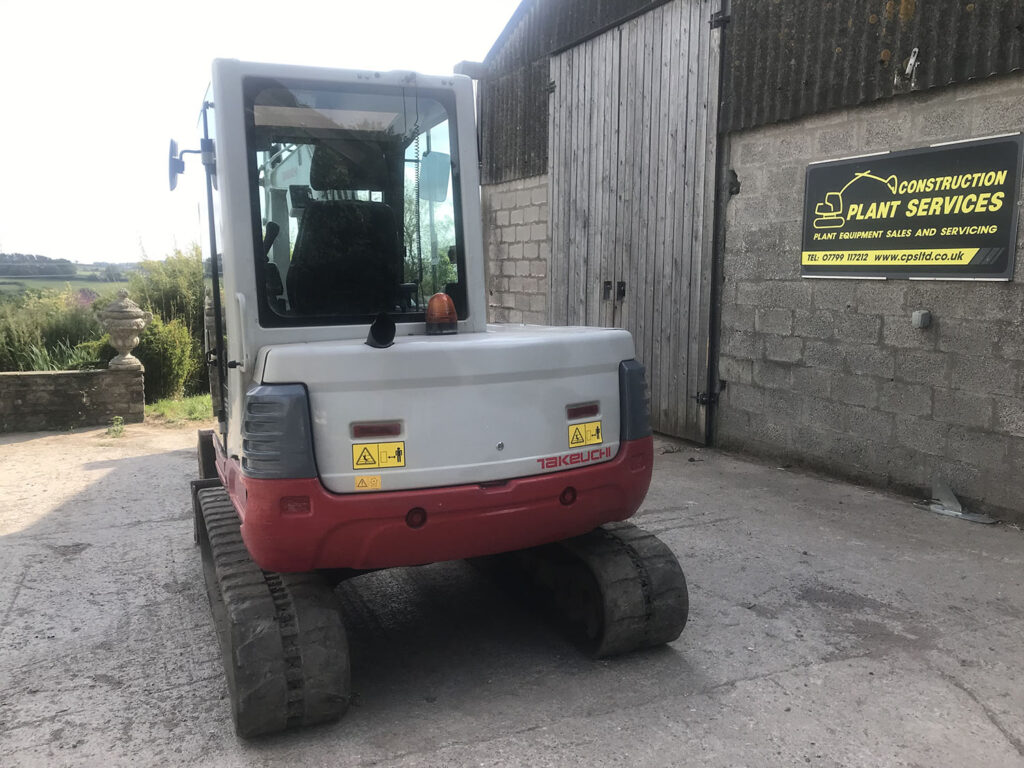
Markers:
point(92, 92)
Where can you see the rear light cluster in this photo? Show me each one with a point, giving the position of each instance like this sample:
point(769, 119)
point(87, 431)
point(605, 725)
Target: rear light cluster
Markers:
point(277, 437)
point(634, 406)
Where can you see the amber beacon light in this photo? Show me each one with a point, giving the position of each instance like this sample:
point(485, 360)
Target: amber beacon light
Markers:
point(441, 317)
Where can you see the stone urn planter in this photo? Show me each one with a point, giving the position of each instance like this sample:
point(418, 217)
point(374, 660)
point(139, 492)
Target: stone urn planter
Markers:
point(124, 320)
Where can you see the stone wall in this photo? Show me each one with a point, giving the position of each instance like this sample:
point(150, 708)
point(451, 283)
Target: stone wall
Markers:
point(518, 247)
point(65, 399)
point(830, 373)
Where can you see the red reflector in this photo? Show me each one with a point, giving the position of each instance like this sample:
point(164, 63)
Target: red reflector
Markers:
point(580, 411)
point(381, 429)
point(416, 518)
point(568, 496)
point(295, 505)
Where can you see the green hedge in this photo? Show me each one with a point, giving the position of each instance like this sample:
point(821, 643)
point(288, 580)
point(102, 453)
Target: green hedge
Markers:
point(166, 349)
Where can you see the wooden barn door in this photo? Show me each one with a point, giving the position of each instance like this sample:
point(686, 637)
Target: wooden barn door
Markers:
point(632, 165)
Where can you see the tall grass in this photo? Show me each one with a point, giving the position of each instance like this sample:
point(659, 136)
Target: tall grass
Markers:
point(44, 331)
point(60, 357)
point(172, 288)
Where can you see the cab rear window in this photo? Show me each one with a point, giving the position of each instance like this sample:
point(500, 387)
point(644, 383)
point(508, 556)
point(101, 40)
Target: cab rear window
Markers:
point(355, 202)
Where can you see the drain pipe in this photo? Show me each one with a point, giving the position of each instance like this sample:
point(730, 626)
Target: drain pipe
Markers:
point(722, 194)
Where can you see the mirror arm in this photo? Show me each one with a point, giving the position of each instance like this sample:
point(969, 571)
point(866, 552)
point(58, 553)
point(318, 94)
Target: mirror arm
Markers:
point(207, 153)
point(178, 163)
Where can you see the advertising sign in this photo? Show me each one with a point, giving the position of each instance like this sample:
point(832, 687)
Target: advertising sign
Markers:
point(942, 212)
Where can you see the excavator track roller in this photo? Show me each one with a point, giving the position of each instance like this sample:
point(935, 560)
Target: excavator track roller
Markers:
point(281, 636)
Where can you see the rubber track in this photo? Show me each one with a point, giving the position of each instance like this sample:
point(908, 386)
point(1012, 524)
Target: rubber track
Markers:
point(643, 593)
point(282, 641)
point(613, 590)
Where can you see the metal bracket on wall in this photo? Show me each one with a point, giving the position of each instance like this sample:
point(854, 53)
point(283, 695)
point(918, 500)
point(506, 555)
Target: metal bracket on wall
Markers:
point(908, 78)
point(706, 398)
point(719, 19)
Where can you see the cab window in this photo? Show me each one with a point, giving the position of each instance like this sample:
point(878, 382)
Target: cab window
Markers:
point(355, 205)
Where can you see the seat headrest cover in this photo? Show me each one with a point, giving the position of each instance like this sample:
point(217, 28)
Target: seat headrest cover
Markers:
point(347, 164)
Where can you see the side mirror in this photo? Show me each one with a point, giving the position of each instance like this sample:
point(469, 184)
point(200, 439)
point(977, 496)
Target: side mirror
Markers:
point(175, 165)
point(435, 170)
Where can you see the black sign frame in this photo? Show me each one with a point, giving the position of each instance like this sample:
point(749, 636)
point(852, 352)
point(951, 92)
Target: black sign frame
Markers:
point(943, 212)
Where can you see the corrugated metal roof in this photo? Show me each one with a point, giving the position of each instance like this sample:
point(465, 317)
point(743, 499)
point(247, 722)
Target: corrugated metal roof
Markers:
point(513, 94)
point(788, 58)
point(540, 27)
point(784, 59)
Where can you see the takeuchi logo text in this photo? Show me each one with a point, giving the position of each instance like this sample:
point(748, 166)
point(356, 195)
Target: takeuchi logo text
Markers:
point(574, 459)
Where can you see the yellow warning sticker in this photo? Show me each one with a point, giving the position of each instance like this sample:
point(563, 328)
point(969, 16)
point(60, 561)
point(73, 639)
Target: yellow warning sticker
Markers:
point(585, 434)
point(376, 455)
point(367, 482)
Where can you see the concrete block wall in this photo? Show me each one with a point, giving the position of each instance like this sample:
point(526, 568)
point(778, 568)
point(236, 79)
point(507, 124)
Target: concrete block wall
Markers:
point(830, 373)
point(517, 246)
point(48, 400)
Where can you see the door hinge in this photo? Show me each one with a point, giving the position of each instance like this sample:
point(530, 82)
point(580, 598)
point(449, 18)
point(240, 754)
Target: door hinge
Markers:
point(550, 87)
point(720, 19)
point(706, 398)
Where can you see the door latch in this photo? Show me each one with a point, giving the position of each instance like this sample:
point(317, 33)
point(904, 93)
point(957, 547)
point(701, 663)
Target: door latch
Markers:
point(606, 290)
point(620, 291)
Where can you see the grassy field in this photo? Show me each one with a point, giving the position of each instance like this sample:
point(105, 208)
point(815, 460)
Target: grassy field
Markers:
point(21, 284)
point(196, 408)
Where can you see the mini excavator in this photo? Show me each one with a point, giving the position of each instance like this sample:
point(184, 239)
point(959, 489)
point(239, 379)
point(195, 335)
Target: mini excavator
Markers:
point(368, 417)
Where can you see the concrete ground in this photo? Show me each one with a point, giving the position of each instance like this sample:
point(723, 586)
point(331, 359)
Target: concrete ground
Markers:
point(830, 626)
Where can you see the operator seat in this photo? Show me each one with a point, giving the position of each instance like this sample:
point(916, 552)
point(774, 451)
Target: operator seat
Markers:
point(346, 259)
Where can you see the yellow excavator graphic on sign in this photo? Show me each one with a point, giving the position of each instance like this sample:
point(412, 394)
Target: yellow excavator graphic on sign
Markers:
point(830, 213)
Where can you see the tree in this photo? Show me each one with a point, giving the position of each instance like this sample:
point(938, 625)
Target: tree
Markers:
point(173, 290)
point(31, 265)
